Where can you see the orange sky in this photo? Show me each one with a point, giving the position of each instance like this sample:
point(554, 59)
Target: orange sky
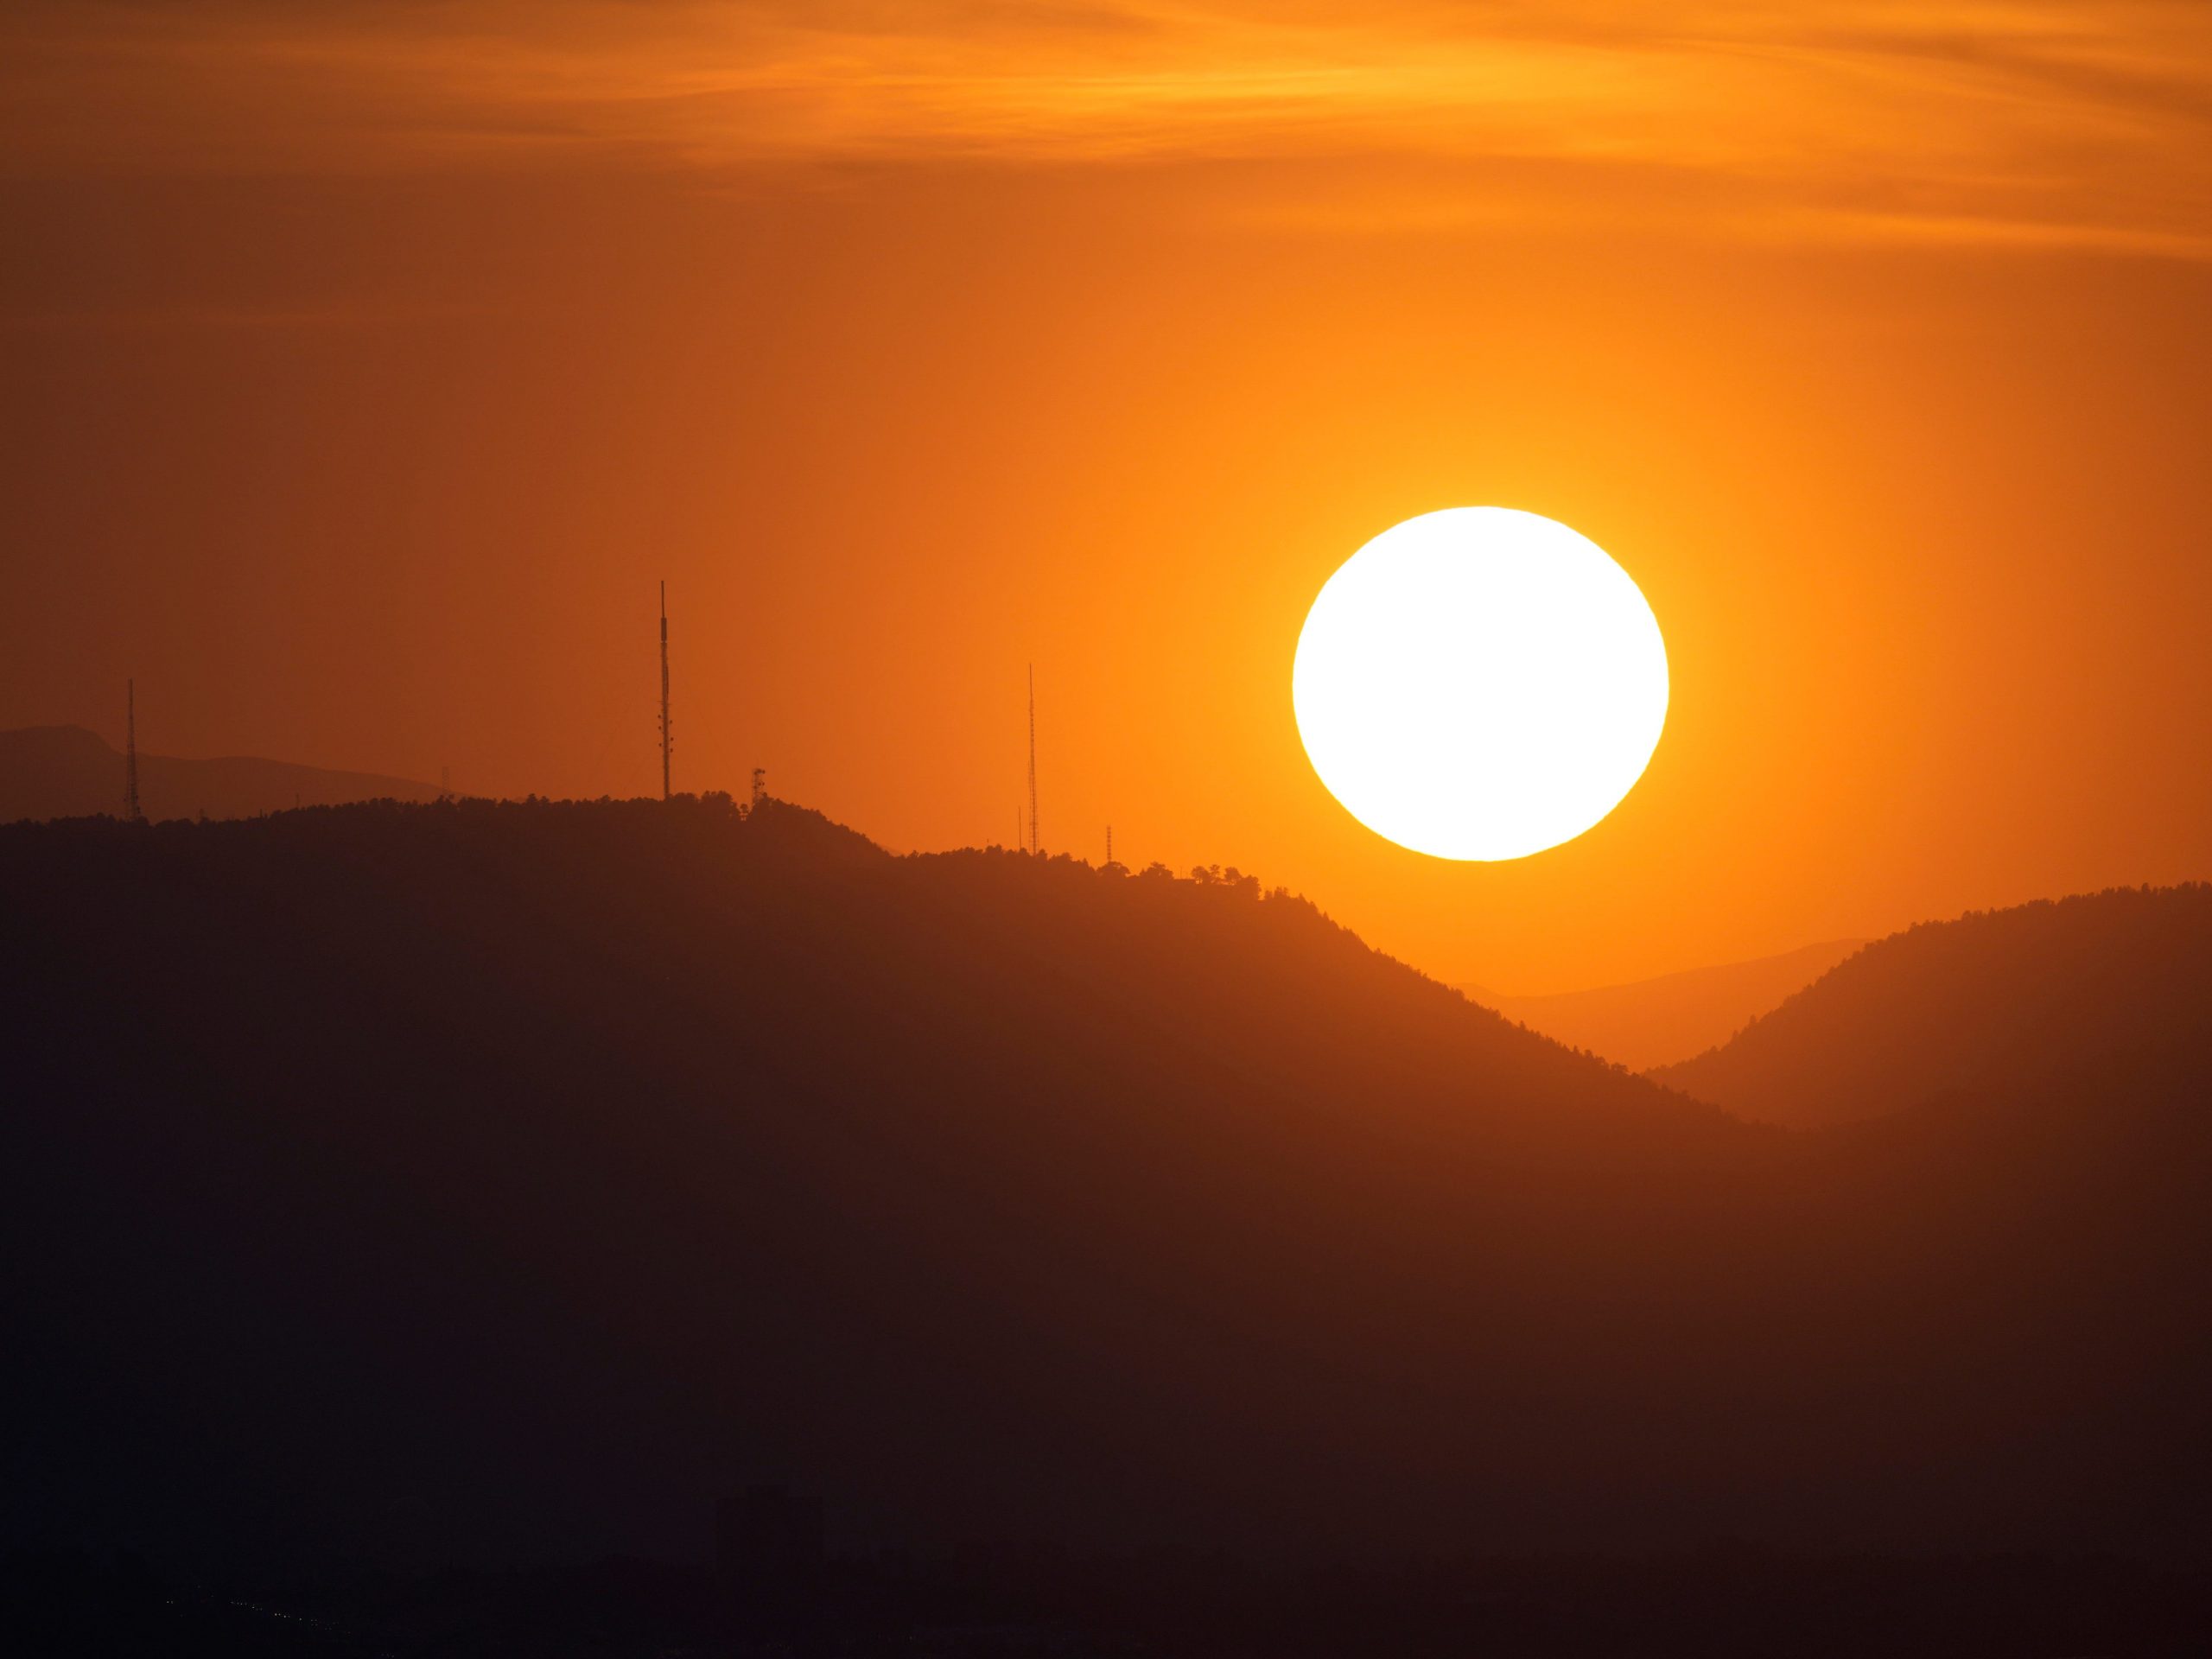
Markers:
point(365, 365)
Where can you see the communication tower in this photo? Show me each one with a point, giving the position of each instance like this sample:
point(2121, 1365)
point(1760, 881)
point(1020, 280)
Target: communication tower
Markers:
point(1035, 845)
point(131, 813)
point(666, 744)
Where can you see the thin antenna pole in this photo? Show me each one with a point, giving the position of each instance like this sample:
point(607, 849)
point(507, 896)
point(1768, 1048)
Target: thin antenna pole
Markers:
point(131, 810)
point(665, 743)
point(1035, 845)
point(1109, 843)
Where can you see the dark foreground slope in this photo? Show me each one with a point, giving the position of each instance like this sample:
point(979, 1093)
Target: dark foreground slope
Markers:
point(2100, 999)
point(476, 1181)
point(65, 772)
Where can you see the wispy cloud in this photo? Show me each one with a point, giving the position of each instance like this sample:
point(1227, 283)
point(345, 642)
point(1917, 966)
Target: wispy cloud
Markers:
point(2012, 123)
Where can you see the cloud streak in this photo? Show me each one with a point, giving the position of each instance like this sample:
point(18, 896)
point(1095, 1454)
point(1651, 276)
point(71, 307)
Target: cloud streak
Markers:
point(2014, 124)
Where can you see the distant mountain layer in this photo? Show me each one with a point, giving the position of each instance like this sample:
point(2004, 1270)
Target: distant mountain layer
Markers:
point(67, 771)
point(413, 1182)
point(1657, 1021)
point(2086, 994)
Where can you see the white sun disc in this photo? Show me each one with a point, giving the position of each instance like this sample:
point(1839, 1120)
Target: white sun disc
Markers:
point(1480, 683)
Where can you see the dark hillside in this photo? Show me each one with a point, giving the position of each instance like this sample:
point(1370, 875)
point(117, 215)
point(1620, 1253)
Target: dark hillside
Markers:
point(2073, 997)
point(455, 1182)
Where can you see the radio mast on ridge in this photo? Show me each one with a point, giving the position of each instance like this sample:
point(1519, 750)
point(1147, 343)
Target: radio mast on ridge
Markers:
point(131, 811)
point(1035, 847)
point(665, 744)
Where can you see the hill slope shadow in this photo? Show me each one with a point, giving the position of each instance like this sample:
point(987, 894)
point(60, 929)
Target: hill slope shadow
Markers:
point(464, 1181)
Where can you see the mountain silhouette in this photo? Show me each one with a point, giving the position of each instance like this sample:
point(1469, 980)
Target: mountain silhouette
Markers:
point(1654, 1022)
point(482, 1180)
point(67, 771)
point(2080, 997)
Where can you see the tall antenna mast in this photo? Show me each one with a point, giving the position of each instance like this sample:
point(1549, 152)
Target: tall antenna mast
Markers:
point(130, 812)
point(1034, 846)
point(665, 744)
point(1109, 843)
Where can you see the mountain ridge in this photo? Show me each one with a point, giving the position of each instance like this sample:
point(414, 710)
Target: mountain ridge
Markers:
point(1646, 1023)
point(2004, 1000)
point(68, 771)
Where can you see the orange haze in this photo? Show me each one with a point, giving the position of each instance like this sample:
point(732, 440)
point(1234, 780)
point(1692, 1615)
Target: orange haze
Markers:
point(365, 366)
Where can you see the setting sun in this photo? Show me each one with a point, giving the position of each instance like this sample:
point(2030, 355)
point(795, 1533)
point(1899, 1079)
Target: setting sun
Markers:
point(1480, 683)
